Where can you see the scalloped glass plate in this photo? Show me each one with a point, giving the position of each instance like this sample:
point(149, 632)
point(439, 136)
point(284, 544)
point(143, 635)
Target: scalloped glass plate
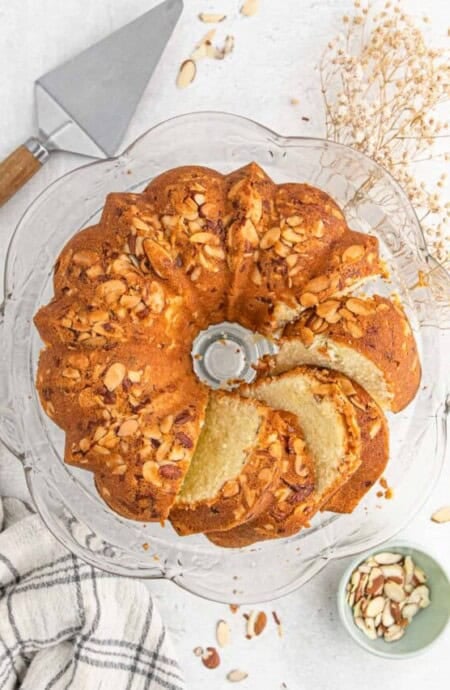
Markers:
point(66, 498)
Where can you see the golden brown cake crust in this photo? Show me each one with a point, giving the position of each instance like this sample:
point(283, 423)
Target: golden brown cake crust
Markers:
point(292, 500)
point(245, 496)
point(374, 326)
point(374, 448)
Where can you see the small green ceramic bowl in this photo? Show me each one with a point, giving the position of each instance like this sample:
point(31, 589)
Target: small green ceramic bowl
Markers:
point(425, 627)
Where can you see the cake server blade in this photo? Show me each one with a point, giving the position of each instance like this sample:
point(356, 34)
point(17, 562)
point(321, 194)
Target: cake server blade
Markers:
point(85, 105)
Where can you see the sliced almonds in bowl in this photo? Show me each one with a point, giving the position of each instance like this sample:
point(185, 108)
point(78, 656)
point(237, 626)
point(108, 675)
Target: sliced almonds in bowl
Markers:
point(385, 592)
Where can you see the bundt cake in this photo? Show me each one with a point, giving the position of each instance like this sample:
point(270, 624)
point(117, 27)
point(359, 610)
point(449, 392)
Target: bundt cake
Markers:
point(133, 293)
point(367, 338)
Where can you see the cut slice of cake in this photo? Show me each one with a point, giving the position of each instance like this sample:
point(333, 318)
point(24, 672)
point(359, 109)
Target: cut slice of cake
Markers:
point(236, 462)
point(288, 248)
point(293, 499)
point(367, 338)
point(327, 418)
point(374, 447)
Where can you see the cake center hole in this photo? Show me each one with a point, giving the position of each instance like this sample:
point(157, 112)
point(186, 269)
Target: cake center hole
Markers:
point(224, 355)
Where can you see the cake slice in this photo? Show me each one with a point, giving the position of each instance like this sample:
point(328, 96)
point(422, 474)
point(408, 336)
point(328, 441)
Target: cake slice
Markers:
point(236, 463)
point(187, 243)
point(289, 248)
point(367, 338)
point(293, 499)
point(374, 447)
point(327, 418)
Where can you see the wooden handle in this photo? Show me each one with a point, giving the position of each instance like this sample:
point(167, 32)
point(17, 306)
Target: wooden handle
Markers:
point(15, 171)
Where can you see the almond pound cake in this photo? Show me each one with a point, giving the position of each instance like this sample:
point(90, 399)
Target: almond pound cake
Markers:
point(367, 338)
point(292, 500)
point(131, 294)
point(237, 461)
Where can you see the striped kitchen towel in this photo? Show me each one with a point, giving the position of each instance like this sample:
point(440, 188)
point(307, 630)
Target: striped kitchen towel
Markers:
point(66, 625)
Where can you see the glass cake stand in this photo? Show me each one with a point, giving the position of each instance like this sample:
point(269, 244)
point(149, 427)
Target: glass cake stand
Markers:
point(66, 497)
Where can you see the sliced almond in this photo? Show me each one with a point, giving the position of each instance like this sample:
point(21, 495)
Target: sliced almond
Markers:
point(210, 18)
point(393, 572)
point(395, 632)
point(250, 627)
point(250, 8)
point(260, 623)
point(270, 238)
point(353, 253)
point(441, 515)
point(394, 591)
point(211, 658)
point(198, 651)
point(409, 611)
point(236, 675)
point(186, 74)
point(375, 607)
point(375, 582)
point(387, 558)
point(223, 633)
point(114, 376)
point(387, 618)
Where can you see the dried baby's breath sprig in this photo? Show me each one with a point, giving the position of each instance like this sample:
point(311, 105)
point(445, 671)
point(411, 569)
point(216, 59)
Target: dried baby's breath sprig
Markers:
point(383, 90)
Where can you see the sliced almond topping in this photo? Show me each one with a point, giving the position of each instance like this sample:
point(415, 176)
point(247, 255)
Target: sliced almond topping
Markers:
point(270, 238)
point(358, 306)
point(354, 330)
point(128, 428)
point(187, 73)
point(250, 7)
point(249, 233)
point(306, 335)
point(375, 428)
point(317, 284)
point(441, 515)
point(256, 276)
point(328, 309)
point(210, 18)
point(114, 376)
point(353, 253)
point(230, 488)
point(204, 238)
point(308, 299)
point(223, 633)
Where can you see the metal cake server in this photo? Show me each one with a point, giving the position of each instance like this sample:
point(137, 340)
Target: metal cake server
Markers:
point(85, 105)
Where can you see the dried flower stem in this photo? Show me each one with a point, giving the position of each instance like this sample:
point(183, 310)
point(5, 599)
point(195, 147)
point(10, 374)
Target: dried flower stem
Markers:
point(382, 88)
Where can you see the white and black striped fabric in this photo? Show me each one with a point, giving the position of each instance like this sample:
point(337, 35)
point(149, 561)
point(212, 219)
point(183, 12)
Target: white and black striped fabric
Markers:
point(67, 626)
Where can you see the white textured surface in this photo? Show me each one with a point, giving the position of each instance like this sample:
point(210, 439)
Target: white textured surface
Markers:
point(274, 60)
